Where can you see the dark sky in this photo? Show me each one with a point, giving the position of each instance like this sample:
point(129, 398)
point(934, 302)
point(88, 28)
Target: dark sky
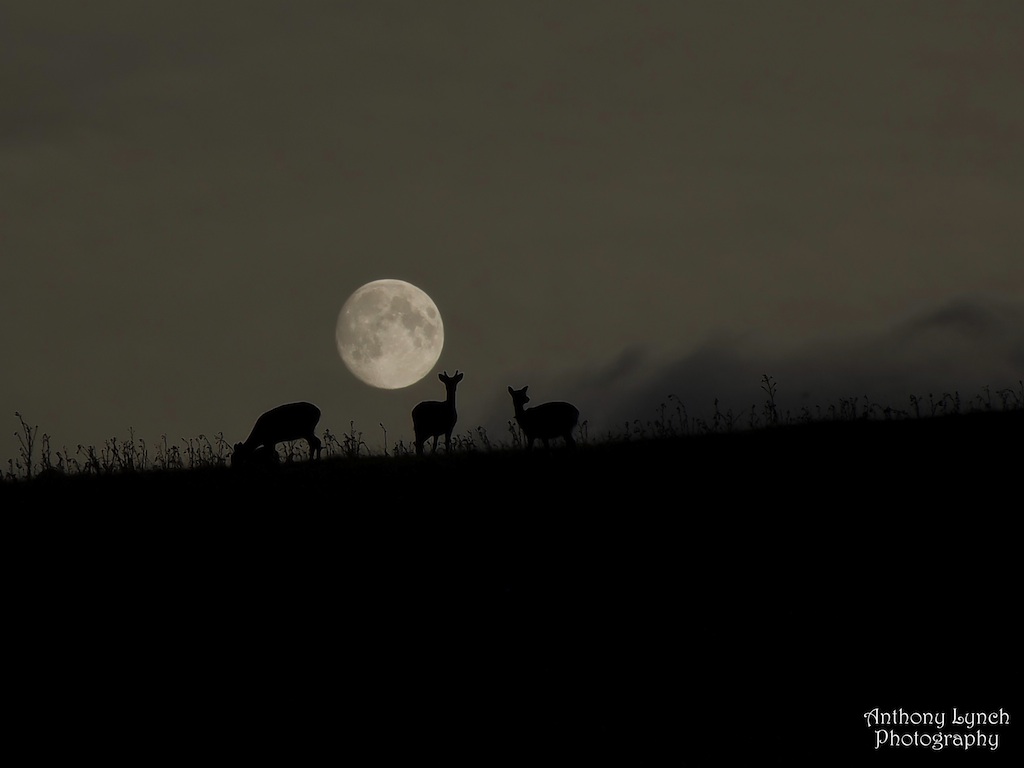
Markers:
point(610, 202)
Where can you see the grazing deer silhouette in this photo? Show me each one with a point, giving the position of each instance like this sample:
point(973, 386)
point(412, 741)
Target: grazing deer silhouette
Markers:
point(294, 421)
point(433, 419)
point(546, 421)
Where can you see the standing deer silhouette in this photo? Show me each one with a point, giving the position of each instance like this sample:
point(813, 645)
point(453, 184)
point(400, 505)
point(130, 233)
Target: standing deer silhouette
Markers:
point(294, 421)
point(546, 421)
point(432, 418)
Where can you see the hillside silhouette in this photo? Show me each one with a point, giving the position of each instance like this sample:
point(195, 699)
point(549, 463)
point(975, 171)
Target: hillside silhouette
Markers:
point(749, 593)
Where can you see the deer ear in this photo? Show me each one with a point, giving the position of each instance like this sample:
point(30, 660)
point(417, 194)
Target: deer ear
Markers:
point(511, 391)
point(441, 376)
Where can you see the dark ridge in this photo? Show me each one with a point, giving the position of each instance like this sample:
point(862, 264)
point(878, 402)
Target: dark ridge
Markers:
point(746, 595)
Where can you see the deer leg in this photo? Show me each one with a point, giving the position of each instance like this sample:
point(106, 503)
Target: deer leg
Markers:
point(314, 446)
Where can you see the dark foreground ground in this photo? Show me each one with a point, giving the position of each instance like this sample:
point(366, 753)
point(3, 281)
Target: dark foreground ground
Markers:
point(737, 599)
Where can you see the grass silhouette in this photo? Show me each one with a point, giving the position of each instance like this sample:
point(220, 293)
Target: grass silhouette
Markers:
point(38, 459)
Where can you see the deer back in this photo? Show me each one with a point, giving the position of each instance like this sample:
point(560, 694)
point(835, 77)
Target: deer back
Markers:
point(549, 420)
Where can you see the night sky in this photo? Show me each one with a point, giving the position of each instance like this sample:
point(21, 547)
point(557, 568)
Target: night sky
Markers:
point(609, 202)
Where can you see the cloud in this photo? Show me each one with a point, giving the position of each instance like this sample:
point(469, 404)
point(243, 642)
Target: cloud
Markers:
point(962, 346)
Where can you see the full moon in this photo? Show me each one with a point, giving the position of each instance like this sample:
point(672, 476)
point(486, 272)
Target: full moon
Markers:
point(389, 334)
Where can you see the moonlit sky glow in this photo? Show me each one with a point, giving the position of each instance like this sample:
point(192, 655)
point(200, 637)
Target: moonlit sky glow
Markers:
point(608, 202)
